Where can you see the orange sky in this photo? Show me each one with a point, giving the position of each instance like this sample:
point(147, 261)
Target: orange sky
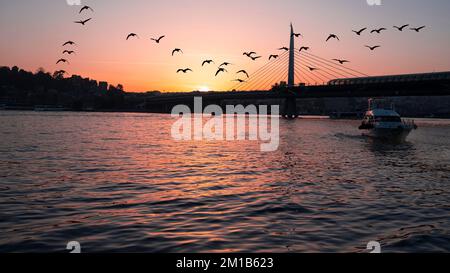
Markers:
point(218, 30)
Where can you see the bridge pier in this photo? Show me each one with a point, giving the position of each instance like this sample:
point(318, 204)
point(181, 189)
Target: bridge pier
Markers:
point(289, 109)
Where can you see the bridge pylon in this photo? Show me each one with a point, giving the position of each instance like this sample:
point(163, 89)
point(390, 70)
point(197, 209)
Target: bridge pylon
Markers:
point(290, 102)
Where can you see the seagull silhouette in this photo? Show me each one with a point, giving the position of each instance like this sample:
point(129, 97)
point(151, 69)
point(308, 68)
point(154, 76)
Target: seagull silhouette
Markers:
point(70, 52)
point(81, 22)
point(176, 50)
point(341, 61)
point(158, 40)
point(312, 68)
point(402, 27)
point(184, 70)
point(224, 64)
point(373, 47)
point(132, 35)
point(62, 61)
point(296, 35)
point(305, 48)
point(249, 54)
point(243, 72)
point(273, 56)
point(378, 30)
point(359, 31)
point(418, 29)
point(238, 80)
point(207, 62)
point(332, 36)
point(221, 69)
point(255, 58)
point(284, 48)
point(69, 43)
point(86, 8)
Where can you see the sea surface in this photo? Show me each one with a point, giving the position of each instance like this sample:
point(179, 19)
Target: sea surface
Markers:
point(119, 183)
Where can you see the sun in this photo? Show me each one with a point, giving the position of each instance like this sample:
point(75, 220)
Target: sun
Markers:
point(204, 89)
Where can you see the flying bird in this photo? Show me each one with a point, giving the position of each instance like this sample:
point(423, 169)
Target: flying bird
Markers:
point(359, 31)
point(81, 22)
point(378, 30)
point(70, 52)
point(221, 69)
point(273, 56)
point(418, 29)
point(341, 61)
point(332, 36)
point(176, 50)
point(249, 54)
point(86, 8)
point(69, 43)
point(158, 40)
point(224, 64)
point(243, 72)
point(62, 61)
point(305, 48)
point(373, 47)
point(132, 35)
point(184, 70)
point(284, 48)
point(402, 27)
point(312, 68)
point(255, 58)
point(238, 80)
point(207, 62)
point(296, 35)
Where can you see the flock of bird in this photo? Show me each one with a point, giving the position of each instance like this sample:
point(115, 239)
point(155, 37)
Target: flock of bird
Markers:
point(251, 54)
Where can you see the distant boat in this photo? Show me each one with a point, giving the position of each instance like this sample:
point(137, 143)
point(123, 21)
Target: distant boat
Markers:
point(385, 123)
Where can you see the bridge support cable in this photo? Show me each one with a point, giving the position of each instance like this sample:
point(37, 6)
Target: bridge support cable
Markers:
point(262, 74)
point(316, 79)
point(256, 83)
point(333, 73)
point(342, 68)
point(316, 74)
point(262, 71)
point(279, 75)
point(273, 76)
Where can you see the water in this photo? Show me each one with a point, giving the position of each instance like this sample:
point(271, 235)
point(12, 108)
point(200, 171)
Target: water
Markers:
point(118, 183)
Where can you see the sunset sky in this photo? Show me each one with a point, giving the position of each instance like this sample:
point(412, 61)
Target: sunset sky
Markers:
point(33, 31)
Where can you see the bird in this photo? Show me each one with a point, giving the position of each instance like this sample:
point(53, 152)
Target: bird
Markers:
point(304, 48)
point(332, 36)
point(249, 54)
point(418, 29)
point(243, 72)
point(62, 61)
point(158, 40)
point(83, 22)
point(378, 30)
point(70, 52)
point(221, 69)
point(238, 80)
point(402, 27)
point(284, 48)
point(69, 43)
point(255, 58)
point(224, 64)
point(176, 50)
point(341, 61)
point(312, 68)
point(273, 56)
point(86, 8)
point(359, 31)
point(373, 47)
point(132, 35)
point(207, 62)
point(184, 70)
point(296, 35)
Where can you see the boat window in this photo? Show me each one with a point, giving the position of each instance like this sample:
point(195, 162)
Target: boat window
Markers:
point(388, 119)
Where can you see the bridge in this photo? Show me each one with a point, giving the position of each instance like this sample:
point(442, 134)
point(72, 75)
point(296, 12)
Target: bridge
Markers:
point(316, 77)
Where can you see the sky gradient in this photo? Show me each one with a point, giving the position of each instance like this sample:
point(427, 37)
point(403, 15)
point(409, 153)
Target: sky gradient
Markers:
point(218, 30)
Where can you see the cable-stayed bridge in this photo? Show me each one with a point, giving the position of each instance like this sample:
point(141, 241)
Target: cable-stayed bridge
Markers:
point(297, 74)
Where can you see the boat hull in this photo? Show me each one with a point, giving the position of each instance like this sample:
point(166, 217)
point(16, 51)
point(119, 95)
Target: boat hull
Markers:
point(397, 135)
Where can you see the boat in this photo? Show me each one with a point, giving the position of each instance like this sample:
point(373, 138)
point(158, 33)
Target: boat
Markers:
point(381, 121)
